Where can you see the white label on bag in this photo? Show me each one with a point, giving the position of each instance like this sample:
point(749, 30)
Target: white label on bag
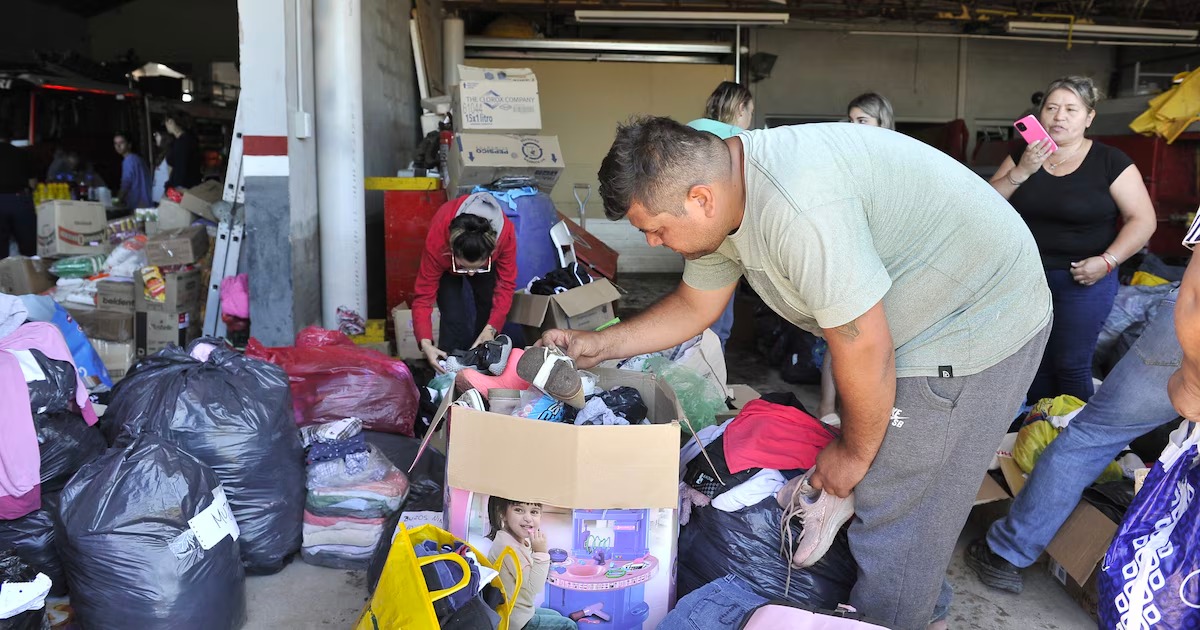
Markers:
point(215, 521)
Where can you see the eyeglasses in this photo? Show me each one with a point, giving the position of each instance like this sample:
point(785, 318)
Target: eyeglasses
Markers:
point(487, 267)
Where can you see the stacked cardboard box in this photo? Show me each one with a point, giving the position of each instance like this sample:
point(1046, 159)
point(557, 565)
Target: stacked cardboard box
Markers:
point(171, 313)
point(497, 116)
point(20, 275)
point(71, 228)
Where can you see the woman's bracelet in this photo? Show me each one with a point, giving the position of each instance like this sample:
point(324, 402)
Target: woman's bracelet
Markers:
point(1107, 265)
point(1113, 259)
point(1010, 179)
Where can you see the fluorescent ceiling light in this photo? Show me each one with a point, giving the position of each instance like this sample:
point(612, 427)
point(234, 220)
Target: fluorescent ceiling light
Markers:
point(1059, 29)
point(680, 18)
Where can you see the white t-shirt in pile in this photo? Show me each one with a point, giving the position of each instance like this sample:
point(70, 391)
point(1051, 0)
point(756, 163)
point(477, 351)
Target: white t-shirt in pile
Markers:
point(841, 216)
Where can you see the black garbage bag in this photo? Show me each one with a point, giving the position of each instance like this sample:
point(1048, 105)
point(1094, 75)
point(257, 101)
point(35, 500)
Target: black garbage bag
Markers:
point(746, 543)
point(234, 414)
point(15, 570)
point(66, 443)
point(32, 537)
point(56, 392)
point(626, 402)
point(425, 488)
point(146, 537)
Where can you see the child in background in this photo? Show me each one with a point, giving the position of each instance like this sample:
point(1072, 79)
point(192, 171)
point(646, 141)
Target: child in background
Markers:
point(519, 526)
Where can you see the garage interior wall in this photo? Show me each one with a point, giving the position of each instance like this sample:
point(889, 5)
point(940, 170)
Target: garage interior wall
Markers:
point(583, 101)
point(818, 72)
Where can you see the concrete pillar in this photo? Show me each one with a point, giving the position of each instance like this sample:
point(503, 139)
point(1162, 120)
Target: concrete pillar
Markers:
point(282, 243)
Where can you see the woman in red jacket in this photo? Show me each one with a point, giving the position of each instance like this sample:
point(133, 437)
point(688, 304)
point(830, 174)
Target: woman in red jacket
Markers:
point(470, 241)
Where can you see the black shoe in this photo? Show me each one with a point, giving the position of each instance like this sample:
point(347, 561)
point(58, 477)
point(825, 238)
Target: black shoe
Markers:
point(490, 357)
point(993, 570)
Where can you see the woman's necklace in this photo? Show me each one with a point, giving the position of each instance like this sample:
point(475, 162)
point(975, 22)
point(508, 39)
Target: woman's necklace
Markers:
point(1050, 166)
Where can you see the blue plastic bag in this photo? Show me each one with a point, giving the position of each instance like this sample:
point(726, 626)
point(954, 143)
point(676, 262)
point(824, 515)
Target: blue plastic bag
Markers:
point(1151, 573)
point(87, 361)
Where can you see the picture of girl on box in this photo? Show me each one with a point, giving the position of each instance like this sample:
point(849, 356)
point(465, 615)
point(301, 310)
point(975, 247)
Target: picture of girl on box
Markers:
point(519, 525)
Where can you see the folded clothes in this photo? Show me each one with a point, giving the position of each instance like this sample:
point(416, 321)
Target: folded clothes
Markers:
point(368, 500)
point(335, 521)
point(349, 537)
point(330, 432)
point(320, 452)
point(321, 557)
point(351, 470)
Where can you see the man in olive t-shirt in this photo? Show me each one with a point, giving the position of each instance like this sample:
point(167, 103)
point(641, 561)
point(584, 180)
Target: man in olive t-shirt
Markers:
point(926, 284)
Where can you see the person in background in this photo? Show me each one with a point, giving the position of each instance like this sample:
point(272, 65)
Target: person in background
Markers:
point(871, 109)
point(1158, 378)
point(1071, 199)
point(927, 286)
point(135, 177)
point(471, 243)
point(728, 112)
point(64, 167)
point(876, 111)
point(163, 142)
point(184, 158)
point(18, 217)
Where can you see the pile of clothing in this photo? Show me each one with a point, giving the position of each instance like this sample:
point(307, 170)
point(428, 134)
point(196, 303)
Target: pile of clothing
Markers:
point(352, 490)
point(572, 276)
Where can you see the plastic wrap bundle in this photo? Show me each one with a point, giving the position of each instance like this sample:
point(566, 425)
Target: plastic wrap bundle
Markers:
point(149, 542)
point(234, 414)
point(333, 379)
point(746, 543)
point(700, 399)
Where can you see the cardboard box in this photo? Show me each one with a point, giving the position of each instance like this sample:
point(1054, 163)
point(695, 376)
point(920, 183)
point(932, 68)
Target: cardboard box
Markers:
point(503, 100)
point(199, 199)
point(118, 357)
point(583, 308)
point(478, 159)
point(1013, 475)
point(116, 296)
point(20, 275)
point(103, 325)
point(155, 331)
point(1077, 550)
point(184, 292)
point(183, 246)
point(741, 395)
point(71, 228)
point(171, 216)
point(601, 487)
point(406, 340)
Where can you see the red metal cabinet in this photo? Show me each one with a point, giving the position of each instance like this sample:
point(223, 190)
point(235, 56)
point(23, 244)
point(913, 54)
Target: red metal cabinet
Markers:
point(1169, 171)
point(406, 218)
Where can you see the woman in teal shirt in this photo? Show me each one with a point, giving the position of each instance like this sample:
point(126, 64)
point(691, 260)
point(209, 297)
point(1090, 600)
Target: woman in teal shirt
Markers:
point(729, 111)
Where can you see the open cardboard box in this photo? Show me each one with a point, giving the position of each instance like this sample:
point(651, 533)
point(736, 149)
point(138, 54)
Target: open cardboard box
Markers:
point(1077, 550)
point(583, 308)
point(406, 339)
point(610, 488)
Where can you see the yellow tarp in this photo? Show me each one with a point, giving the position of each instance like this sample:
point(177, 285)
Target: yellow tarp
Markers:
point(1173, 111)
point(1145, 279)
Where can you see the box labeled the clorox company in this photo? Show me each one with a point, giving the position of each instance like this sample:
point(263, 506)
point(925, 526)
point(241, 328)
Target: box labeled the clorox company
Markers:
point(496, 100)
point(480, 159)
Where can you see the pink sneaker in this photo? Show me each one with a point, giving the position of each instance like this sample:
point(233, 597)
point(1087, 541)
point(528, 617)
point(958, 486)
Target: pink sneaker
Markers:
point(822, 515)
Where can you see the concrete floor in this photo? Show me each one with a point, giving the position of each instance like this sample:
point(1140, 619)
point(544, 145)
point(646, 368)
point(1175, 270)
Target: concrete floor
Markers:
point(304, 596)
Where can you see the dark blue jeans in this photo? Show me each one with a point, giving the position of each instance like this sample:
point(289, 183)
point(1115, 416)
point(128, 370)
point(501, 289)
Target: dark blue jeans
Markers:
point(718, 605)
point(1079, 314)
point(465, 303)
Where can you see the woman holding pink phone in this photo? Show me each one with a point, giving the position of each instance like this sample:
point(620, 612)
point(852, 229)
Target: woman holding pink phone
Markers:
point(1071, 190)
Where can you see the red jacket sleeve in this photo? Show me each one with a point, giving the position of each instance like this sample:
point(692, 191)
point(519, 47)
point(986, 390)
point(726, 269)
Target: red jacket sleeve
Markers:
point(434, 263)
point(504, 263)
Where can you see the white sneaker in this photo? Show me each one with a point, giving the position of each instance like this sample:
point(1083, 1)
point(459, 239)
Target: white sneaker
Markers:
point(471, 399)
point(821, 513)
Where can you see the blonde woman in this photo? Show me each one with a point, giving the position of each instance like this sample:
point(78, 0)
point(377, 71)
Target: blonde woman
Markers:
point(871, 109)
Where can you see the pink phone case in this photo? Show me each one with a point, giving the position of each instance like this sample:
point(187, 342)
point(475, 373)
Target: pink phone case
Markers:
point(1032, 131)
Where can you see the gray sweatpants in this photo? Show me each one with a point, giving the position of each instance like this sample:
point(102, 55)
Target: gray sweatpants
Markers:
point(911, 506)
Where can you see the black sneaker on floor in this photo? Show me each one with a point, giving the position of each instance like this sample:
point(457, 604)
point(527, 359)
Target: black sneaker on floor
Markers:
point(993, 570)
point(490, 357)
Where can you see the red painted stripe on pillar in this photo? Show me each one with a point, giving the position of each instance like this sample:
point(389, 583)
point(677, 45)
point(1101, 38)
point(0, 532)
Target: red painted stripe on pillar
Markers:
point(264, 145)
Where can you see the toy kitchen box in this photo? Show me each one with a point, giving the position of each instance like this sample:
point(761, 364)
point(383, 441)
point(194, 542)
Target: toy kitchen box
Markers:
point(608, 497)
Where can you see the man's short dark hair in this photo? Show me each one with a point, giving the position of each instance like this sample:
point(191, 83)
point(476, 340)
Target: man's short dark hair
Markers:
point(123, 134)
point(655, 161)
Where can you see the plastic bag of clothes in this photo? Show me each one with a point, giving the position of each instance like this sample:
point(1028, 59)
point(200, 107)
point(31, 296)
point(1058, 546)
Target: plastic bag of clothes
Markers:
point(149, 542)
point(88, 364)
point(746, 543)
point(53, 390)
point(1032, 441)
point(333, 379)
point(425, 490)
point(65, 443)
point(23, 606)
point(234, 414)
point(32, 537)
